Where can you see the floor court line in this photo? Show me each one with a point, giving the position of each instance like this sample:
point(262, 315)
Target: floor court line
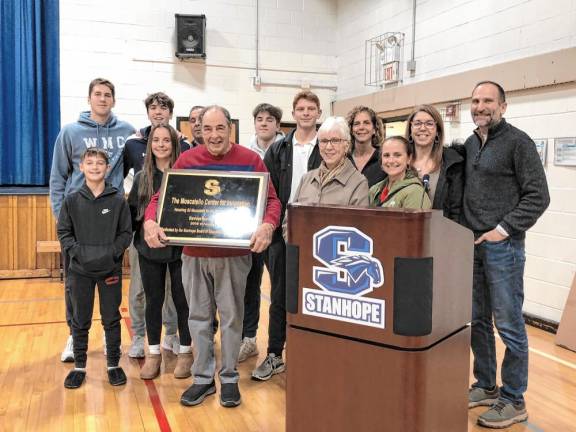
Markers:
point(35, 323)
point(32, 300)
point(553, 358)
point(159, 412)
point(549, 356)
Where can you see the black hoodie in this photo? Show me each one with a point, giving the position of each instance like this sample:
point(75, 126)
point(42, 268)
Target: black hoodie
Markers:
point(95, 231)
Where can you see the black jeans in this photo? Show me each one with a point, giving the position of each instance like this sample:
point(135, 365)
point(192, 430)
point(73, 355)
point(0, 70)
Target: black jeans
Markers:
point(154, 282)
point(252, 296)
point(276, 263)
point(82, 299)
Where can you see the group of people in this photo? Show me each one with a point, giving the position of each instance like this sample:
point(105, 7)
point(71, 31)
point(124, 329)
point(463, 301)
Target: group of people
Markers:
point(494, 184)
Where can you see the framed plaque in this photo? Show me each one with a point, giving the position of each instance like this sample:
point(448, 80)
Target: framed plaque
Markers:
point(541, 148)
point(565, 151)
point(211, 208)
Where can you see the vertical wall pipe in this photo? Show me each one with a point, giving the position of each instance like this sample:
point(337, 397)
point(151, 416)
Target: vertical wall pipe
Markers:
point(412, 63)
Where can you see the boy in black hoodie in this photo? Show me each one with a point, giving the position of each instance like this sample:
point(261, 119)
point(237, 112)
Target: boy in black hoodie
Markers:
point(94, 228)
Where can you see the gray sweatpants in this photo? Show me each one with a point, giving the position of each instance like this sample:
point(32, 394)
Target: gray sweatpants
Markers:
point(137, 300)
point(220, 281)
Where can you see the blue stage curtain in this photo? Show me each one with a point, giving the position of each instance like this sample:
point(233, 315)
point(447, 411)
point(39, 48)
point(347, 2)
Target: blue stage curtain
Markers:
point(29, 90)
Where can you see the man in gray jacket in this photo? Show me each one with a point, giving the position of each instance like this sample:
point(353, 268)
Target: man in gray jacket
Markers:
point(505, 194)
point(95, 128)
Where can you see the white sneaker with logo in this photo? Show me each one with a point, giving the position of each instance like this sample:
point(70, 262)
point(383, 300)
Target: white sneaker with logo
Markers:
point(248, 348)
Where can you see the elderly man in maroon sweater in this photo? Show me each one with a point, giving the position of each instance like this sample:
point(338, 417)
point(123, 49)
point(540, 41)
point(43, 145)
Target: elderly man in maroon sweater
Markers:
point(217, 275)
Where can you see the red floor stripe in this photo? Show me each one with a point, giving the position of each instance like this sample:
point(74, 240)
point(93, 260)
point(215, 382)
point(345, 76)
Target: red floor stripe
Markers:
point(161, 418)
point(43, 322)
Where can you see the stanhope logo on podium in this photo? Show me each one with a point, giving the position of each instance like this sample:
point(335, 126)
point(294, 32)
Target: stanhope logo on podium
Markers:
point(349, 272)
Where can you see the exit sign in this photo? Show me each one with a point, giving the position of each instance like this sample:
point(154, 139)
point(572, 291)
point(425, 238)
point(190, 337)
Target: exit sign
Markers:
point(391, 72)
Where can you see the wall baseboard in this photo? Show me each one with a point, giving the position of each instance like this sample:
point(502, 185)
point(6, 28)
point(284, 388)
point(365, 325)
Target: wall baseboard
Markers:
point(541, 323)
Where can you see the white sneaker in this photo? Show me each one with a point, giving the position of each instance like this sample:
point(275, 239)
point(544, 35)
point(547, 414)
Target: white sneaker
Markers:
point(68, 352)
point(248, 348)
point(137, 348)
point(171, 343)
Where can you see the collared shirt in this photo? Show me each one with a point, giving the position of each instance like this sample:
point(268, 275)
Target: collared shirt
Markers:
point(300, 155)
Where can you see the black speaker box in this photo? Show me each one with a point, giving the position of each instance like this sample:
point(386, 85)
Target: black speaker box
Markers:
point(190, 36)
point(413, 296)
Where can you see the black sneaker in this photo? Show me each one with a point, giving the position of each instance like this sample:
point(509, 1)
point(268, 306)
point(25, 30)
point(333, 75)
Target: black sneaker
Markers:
point(116, 376)
point(74, 379)
point(230, 395)
point(196, 393)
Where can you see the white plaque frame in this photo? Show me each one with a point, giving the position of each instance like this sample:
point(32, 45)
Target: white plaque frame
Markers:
point(565, 151)
point(542, 148)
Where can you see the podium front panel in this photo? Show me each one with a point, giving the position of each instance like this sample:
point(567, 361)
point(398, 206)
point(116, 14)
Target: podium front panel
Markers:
point(350, 263)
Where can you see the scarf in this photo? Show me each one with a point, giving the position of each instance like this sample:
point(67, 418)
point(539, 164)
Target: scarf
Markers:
point(326, 175)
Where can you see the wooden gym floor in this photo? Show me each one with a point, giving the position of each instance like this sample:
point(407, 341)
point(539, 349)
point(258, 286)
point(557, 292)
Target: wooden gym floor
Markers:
point(32, 396)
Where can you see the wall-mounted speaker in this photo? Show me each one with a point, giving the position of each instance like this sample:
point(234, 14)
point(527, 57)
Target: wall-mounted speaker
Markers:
point(190, 36)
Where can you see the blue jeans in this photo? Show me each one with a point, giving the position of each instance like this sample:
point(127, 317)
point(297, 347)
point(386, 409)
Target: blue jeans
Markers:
point(499, 292)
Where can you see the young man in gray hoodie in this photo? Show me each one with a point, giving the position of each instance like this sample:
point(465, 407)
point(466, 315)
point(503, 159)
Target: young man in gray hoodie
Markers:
point(95, 128)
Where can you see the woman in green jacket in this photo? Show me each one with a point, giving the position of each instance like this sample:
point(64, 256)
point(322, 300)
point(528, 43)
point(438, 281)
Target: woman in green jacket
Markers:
point(402, 187)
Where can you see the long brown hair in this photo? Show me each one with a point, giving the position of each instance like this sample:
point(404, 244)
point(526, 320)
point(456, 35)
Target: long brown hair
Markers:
point(438, 144)
point(146, 186)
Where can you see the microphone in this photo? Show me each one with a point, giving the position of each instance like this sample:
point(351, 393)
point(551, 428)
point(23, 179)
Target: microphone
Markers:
point(426, 181)
point(426, 184)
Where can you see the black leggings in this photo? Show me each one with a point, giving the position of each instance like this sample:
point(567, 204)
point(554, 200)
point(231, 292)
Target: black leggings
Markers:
point(154, 282)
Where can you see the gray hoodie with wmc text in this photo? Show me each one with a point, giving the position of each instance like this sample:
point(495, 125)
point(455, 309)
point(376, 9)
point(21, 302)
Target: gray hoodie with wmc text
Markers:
point(72, 141)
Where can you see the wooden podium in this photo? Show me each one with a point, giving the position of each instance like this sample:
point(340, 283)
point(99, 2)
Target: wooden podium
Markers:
point(378, 303)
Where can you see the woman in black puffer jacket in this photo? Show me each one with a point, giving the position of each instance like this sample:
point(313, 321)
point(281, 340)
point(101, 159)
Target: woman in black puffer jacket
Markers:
point(444, 165)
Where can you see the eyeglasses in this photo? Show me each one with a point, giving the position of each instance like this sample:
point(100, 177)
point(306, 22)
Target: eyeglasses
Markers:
point(418, 124)
point(333, 141)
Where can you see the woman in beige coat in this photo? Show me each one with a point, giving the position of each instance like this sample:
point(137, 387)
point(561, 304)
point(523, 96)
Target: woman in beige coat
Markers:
point(336, 181)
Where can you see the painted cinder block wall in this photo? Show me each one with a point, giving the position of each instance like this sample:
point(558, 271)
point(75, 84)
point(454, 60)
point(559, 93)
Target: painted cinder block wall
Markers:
point(455, 36)
point(132, 43)
point(451, 36)
point(321, 43)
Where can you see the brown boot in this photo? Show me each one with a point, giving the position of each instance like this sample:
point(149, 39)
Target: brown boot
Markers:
point(183, 365)
point(151, 368)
